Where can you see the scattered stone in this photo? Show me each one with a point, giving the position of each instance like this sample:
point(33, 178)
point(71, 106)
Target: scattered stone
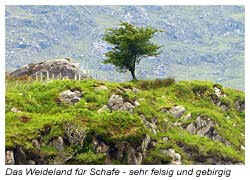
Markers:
point(70, 97)
point(165, 139)
point(15, 110)
point(31, 162)
point(9, 158)
point(177, 111)
point(242, 148)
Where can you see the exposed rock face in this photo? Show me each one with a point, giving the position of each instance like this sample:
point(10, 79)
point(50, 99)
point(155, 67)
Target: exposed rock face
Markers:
point(145, 143)
point(70, 96)
point(218, 92)
point(204, 126)
point(55, 66)
point(177, 111)
point(134, 158)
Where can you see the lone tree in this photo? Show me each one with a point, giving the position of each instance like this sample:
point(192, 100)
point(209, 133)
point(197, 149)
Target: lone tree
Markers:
point(130, 45)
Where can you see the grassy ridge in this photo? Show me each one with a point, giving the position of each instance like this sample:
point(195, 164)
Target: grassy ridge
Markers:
point(43, 117)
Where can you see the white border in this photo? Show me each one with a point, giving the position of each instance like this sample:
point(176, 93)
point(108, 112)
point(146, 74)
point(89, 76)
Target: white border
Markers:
point(238, 171)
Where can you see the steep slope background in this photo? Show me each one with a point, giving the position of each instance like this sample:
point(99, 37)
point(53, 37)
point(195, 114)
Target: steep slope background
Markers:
point(201, 42)
point(145, 122)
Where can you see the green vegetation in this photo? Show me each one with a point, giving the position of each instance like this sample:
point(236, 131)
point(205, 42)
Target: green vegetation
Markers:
point(130, 45)
point(44, 117)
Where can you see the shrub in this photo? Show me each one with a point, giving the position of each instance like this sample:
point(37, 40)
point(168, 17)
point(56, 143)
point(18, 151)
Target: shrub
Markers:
point(157, 83)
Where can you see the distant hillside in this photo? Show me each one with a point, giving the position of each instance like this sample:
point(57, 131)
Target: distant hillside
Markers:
point(200, 42)
point(145, 122)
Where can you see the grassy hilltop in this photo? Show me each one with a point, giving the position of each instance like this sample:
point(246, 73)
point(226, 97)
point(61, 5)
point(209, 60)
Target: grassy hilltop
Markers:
point(144, 122)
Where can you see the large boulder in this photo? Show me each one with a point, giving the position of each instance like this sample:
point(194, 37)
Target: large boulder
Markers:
point(64, 67)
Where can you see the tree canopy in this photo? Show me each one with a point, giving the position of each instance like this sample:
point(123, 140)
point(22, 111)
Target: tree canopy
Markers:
point(130, 45)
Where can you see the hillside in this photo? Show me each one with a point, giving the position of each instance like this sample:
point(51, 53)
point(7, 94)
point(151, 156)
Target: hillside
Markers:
point(144, 122)
point(202, 42)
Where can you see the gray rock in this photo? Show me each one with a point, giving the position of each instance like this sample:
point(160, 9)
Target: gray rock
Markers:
point(20, 156)
point(165, 139)
point(115, 102)
point(58, 143)
point(239, 105)
point(102, 147)
point(187, 117)
point(134, 158)
point(70, 97)
point(149, 125)
point(9, 158)
point(217, 92)
point(145, 143)
point(127, 106)
point(176, 158)
point(191, 128)
point(177, 111)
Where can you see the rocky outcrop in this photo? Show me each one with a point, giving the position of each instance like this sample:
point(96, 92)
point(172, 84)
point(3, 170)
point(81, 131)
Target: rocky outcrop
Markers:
point(63, 67)
point(204, 126)
point(117, 102)
point(70, 96)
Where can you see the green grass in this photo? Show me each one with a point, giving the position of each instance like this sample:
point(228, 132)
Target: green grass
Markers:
point(42, 117)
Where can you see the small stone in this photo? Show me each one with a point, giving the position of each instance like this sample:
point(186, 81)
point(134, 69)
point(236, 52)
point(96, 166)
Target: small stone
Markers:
point(136, 103)
point(165, 139)
point(15, 110)
point(104, 108)
point(242, 148)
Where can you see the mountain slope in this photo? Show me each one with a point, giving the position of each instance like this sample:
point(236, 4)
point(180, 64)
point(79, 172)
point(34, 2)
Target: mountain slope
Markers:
point(202, 42)
point(145, 122)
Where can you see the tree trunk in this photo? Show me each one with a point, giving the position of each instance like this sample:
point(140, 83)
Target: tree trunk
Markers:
point(133, 75)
